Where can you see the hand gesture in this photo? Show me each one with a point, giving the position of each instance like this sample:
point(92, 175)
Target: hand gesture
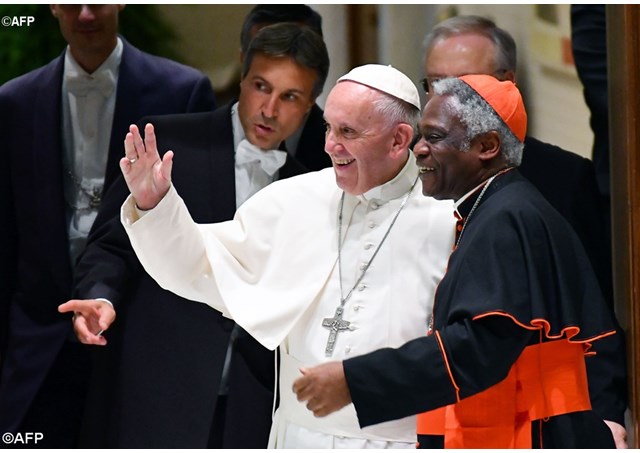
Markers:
point(324, 387)
point(148, 177)
point(90, 318)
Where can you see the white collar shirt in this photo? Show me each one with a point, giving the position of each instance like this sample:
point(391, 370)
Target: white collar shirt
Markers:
point(250, 177)
point(88, 105)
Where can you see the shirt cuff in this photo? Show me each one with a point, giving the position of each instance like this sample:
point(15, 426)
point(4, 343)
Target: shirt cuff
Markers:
point(105, 300)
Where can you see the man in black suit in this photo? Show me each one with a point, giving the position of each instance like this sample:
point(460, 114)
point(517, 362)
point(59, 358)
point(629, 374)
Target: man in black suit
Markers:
point(170, 365)
point(475, 45)
point(312, 129)
point(57, 163)
point(589, 48)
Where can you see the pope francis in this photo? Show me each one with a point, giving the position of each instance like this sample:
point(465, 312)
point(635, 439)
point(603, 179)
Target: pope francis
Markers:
point(326, 266)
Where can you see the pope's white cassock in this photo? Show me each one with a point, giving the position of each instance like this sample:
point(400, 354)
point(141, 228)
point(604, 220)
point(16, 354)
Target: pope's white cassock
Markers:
point(274, 270)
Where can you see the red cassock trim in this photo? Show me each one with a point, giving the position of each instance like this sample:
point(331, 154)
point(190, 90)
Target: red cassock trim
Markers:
point(568, 332)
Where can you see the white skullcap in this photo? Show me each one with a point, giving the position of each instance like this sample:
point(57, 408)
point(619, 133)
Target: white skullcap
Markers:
point(386, 79)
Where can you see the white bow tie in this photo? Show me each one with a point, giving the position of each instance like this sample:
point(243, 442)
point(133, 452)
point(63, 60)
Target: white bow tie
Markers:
point(81, 84)
point(270, 160)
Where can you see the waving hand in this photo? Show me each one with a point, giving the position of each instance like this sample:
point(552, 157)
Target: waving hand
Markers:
point(148, 177)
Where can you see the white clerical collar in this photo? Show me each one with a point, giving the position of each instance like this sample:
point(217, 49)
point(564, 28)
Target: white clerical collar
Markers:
point(479, 186)
point(395, 188)
point(468, 194)
point(111, 64)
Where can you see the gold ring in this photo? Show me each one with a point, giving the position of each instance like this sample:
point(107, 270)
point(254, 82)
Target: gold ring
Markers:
point(133, 161)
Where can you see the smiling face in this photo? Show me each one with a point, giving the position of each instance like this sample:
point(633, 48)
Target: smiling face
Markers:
point(365, 150)
point(275, 97)
point(446, 172)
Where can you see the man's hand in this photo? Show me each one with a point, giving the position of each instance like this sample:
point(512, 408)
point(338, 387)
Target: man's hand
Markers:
point(148, 177)
point(619, 434)
point(90, 318)
point(324, 387)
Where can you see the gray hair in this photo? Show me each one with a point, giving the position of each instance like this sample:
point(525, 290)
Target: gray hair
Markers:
point(298, 42)
point(479, 117)
point(396, 111)
point(505, 45)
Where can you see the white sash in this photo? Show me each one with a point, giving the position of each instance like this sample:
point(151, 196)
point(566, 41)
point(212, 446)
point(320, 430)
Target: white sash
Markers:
point(341, 423)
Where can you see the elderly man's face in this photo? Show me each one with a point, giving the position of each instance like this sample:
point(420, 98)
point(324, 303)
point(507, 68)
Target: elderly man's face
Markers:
point(358, 140)
point(455, 56)
point(446, 172)
point(275, 96)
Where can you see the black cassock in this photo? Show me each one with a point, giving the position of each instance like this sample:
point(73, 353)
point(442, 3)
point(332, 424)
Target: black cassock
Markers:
point(518, 257)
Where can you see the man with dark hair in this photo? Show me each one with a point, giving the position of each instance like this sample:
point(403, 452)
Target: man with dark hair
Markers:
point(312, 128)
point(263, 15)
point(62, 126)
point(503, 361)
point(476, 45)
point(168, 384)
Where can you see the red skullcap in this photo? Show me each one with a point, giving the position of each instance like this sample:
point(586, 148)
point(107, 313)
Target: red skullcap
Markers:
point(504, 98)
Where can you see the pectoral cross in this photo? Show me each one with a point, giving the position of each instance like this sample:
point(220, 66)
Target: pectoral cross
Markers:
point(335, 325)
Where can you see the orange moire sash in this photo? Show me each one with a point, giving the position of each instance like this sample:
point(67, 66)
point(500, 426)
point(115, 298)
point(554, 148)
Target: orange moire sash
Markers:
point(548, 379)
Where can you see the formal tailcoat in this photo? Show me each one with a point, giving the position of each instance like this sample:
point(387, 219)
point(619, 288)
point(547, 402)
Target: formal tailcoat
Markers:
point(158, 380)
point(35, 267)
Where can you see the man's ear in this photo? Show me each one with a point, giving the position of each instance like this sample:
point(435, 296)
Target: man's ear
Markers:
point(402, 138)
point(490, 145)
point(509, 75)
point(54, 10)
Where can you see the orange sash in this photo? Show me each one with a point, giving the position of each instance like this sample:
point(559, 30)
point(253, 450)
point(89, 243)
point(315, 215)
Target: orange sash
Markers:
point(548, 379)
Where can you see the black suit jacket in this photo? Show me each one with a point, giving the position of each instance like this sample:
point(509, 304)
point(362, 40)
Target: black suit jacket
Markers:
point(589, 47)
point(568, 182)
point(35, 267)
point(159, 376)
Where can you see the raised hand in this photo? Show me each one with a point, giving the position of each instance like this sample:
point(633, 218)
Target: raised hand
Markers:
point(90, 318)
point(324, 388)
point(148, 177)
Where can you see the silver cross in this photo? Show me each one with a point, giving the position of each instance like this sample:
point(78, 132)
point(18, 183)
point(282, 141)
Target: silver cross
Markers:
point(335, 325)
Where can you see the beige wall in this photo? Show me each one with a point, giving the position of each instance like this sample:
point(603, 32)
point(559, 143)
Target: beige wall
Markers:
point(209, 35)
point(553, 94)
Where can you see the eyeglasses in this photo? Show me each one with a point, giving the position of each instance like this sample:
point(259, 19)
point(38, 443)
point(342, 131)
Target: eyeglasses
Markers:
point(427, 82)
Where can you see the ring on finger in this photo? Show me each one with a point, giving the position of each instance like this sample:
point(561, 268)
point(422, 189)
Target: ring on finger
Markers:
point(132, 160)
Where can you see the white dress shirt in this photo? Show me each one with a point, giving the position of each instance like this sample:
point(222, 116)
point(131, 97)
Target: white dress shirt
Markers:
point(88, 105)
point(250, 175)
